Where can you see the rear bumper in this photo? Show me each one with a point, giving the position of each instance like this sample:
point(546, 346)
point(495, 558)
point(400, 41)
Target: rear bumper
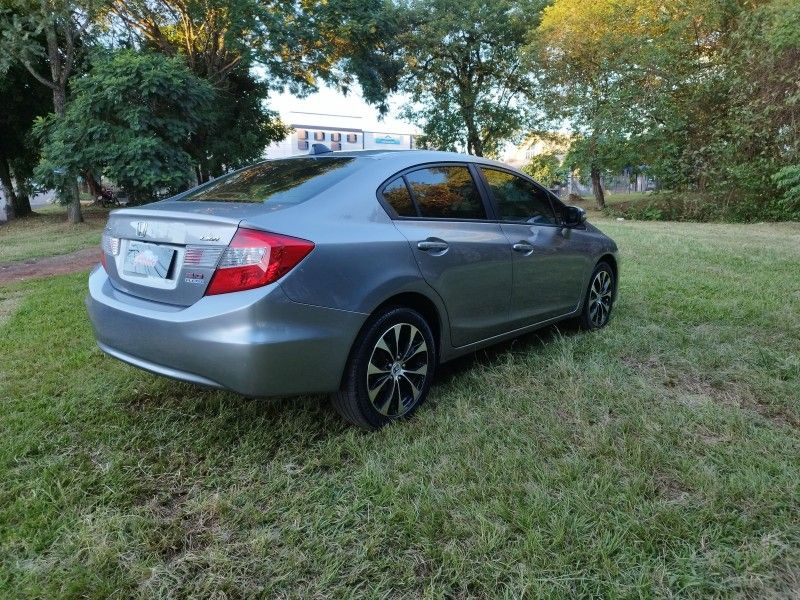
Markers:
point(256, 343)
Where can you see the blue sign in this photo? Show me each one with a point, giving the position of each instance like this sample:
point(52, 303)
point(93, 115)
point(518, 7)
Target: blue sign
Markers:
point(387, 139)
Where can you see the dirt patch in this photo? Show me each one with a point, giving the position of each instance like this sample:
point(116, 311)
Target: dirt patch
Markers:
point(9, 303)
point(669, 488)
point(692, 389)
point(37, 268)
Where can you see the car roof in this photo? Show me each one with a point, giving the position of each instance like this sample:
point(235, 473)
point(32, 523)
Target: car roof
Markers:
point(408, 158)
point(424, 155)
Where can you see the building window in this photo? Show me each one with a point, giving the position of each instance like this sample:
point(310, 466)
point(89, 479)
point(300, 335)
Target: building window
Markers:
point(301, 145)
point(336, 146)
point(302, 134)
point(352, 138)
point(336, 137)
point(319, 136)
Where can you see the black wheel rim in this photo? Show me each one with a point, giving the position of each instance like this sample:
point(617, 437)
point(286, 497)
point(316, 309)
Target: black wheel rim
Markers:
point(600, 294)
point(397, 370)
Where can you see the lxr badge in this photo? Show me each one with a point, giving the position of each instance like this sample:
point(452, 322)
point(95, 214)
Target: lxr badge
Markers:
point(194, 278)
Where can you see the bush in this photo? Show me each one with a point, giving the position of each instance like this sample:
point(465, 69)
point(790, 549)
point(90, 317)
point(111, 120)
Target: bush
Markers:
point(130, 118)
point(672, 206)
point(788, 181)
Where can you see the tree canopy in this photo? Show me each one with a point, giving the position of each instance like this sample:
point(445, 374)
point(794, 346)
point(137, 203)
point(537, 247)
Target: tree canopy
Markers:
point(702, 94)
point(468, 80)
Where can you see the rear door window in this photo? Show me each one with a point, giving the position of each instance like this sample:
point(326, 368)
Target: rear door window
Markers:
point(446, 192)
point(395, 194)
point(518, 200)
point(285, 181)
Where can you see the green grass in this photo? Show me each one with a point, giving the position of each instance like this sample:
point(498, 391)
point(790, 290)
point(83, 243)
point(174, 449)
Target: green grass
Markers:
point(48, 233)
point(658, 457)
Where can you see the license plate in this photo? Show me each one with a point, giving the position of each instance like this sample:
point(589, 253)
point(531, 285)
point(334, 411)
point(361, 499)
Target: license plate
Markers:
point(148, 260)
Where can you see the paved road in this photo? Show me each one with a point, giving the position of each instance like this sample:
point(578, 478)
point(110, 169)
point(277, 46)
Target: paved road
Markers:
point(43, 199)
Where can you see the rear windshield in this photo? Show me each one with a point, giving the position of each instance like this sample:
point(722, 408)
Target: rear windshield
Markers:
point(285, 181)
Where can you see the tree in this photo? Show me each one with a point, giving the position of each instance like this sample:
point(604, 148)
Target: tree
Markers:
point(291, 44)
point(465, 71)
point(238, 127)
point(52, 30)
point(705, 93)
point(548, 150)
point(590, 55)
point(756, 147)
point(129, 118)
point(23, 101)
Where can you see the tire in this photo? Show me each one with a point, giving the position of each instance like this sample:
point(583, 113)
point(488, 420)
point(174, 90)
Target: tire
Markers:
point(377, 388)
point(599, 299)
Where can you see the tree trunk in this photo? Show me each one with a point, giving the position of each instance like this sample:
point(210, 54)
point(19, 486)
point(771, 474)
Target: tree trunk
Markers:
point(95, 189)
point(474, 143)
point(597, 189)
point(59, 100)
point(74, 214)
point(8, 189)
point(22, 206)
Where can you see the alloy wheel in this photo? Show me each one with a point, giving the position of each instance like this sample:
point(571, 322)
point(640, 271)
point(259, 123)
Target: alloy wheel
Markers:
point(397, 370)
point(600, 294)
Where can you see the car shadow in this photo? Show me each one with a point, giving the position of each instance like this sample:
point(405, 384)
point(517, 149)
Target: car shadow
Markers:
point(453, 369)
point(305, 420)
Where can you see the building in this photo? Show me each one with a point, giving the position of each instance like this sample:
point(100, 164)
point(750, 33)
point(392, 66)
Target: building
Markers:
point(338, 132)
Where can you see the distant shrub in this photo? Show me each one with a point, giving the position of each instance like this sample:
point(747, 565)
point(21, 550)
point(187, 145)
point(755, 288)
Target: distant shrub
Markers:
point(672, 206)
point(788, 181)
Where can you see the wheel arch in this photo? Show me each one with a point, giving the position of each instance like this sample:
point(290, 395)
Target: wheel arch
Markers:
point(612, 262)
point(424, 306)
point(416, 301)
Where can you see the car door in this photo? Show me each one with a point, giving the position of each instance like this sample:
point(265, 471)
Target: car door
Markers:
point(549, 262)
point(462, 255)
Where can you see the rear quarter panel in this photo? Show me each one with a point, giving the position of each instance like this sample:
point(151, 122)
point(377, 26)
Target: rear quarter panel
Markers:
point(360, 258)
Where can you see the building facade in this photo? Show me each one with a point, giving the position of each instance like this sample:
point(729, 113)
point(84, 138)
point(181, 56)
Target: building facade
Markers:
point(338, 132)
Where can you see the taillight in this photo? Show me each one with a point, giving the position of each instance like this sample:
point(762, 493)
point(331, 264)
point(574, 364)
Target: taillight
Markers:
point(109, 246)
point(255, 258)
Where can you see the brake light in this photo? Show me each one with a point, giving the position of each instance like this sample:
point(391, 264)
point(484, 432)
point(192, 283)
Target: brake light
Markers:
point(255, 258)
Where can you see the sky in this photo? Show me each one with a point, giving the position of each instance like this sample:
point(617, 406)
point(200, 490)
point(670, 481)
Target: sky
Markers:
point(329, 101)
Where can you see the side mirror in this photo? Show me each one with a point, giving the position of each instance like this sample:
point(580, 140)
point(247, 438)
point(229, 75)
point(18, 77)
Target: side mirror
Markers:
point(574, 215)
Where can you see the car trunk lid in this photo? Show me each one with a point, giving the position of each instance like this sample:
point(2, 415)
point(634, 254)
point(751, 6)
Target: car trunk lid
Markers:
point(168, 252)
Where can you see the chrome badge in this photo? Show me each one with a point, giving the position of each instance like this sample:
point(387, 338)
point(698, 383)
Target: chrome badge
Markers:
point(192, 277)
point(141, 228)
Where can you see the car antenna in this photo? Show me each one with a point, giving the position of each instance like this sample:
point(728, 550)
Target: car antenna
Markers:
point(320, 149)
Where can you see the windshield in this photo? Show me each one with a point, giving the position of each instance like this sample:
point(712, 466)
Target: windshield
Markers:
point(285, 181)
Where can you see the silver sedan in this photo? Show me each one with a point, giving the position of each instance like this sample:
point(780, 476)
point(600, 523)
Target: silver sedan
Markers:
point(354, 274)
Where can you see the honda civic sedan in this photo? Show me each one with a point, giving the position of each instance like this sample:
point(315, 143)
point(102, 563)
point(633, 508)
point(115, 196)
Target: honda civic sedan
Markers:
point(354, 274)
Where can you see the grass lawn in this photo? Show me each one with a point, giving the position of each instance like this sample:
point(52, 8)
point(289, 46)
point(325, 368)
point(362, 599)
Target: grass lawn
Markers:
point(48, 233)
point(657, 457)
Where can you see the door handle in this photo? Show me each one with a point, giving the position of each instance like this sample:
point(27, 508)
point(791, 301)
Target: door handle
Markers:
point(432, 246)
point(523, 248)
